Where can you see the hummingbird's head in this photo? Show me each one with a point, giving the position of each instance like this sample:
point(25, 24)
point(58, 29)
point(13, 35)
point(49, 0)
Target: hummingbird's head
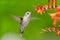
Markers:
point(28, 14)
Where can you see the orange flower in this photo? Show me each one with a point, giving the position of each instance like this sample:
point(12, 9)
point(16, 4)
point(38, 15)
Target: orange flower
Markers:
point(58, 8)
point(57, 32)
point(53, 3)
point(55, 17)
point(39, 9)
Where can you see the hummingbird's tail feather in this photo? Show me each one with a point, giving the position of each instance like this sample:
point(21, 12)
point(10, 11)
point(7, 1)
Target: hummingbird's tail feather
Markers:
point(21, 33)
point(17, 18)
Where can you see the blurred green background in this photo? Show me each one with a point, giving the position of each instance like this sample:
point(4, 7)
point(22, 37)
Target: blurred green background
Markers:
point(19, 7)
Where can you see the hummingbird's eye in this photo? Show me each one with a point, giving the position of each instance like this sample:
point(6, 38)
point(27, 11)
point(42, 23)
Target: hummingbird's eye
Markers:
point(27, 13)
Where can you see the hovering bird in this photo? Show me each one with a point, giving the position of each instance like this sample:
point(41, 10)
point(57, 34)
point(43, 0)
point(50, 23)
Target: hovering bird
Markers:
point(24, 21)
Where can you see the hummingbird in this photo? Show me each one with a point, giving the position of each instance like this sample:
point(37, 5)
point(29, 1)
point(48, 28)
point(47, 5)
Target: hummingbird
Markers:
point(24, 21)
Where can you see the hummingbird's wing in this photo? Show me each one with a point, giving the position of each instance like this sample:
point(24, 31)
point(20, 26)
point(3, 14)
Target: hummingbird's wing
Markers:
point(34, 18)
point(17, 18)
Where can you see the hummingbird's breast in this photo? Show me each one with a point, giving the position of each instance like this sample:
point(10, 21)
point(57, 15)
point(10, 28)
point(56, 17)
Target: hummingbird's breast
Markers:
point(26, 21)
